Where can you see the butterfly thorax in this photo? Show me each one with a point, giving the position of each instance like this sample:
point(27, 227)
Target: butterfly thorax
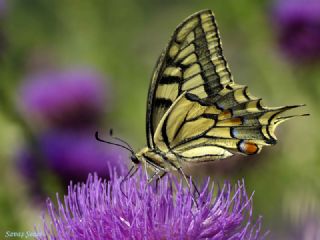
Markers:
point(157, 160)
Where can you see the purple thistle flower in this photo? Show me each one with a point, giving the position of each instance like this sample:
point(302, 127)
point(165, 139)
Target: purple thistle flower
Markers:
point(99, 210)
point(70, 98)
point(298, 23)
point(72, 156)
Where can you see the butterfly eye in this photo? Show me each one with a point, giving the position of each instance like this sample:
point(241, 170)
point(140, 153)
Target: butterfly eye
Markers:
point(134, 159)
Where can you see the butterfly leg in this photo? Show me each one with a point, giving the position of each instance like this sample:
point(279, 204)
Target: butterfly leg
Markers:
point(159, 178)
point(130, 173)
point(187, 179)
point(158, 174)
point(154, 175)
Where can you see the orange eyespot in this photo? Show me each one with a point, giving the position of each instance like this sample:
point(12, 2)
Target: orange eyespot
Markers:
point(248, 147)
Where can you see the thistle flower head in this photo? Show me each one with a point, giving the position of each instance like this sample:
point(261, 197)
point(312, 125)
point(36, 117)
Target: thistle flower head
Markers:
point(100, 210)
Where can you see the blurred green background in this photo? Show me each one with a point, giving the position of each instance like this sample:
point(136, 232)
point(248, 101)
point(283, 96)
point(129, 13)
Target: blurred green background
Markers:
point(122, 40)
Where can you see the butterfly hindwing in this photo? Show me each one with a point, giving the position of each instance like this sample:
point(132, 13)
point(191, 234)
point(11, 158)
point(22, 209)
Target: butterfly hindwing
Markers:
point(192, 62)
point(194, 131)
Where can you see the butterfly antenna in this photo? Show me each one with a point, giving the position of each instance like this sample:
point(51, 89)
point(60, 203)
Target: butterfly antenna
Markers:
point(119, 139)
point(112, 143)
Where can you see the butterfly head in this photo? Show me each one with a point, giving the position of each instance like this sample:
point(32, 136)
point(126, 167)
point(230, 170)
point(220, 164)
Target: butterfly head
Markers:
point(135, 159)
point(139, 156)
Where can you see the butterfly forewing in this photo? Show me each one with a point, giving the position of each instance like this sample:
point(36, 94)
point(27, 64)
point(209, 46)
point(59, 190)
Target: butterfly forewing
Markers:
point(192, 62)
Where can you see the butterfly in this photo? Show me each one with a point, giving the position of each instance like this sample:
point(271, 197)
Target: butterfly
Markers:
point(195, 111)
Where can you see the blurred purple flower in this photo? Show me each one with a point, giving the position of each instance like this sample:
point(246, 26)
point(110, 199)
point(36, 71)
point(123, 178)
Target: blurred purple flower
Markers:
point(99, 210)
point(29, 167)
point(298, 23)
point(70, 98)
point(310, 229)
point(72, 156)
point(3, 8)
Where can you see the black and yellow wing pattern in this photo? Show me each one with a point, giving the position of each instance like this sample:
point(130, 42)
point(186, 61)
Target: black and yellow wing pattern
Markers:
point(192, 62)
point(195, 110)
